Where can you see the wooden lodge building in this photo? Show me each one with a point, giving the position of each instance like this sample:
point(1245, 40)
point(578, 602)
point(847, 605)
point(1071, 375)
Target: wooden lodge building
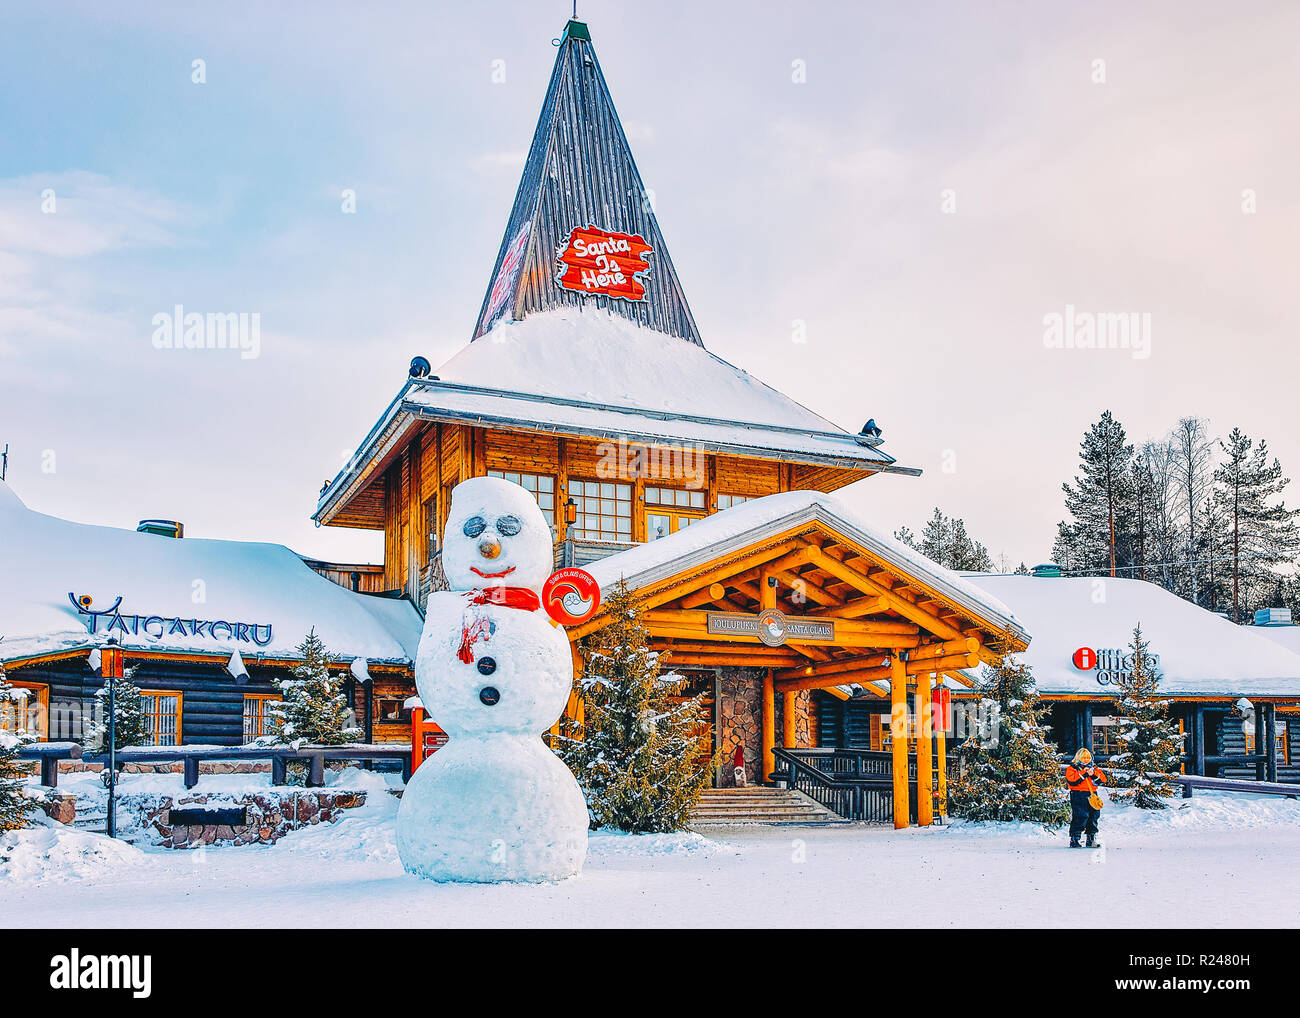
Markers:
point(710, 493)
point(587, 382)
point(210, 627)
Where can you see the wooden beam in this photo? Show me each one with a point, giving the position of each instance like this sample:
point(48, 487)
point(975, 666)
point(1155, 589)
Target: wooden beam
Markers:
point(712, 594)
point(915, 658)
point(831, 668)
point(924, 752)
point(769, 727)
point(860, 678)
point(854, 609)
point(901, 605)
point(898, 733)
point(687, 658)
point(802, 586)
point(788, 728)
point(941, 749)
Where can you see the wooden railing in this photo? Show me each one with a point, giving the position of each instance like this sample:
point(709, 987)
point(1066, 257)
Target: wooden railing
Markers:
point(856, 784)
point(49, 754)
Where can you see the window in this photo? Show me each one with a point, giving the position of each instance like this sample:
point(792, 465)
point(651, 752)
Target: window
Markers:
point(1280, 741)
point(162, 717)
point(681, 498)
point(727, 501)
point(540, 486)
point(257, 714)
point(28, 711)
point(604, 511)
point(391, 711)
point(431, 526)
point(1105, 736)
point(675, 508)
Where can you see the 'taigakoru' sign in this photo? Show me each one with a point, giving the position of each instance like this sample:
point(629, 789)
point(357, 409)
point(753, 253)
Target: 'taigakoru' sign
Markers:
point(595, 261)
point(157, 626)
point(1111, 663)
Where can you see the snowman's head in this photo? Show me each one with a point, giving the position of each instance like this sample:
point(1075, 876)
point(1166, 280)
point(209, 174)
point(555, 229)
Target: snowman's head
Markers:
point(496, 537)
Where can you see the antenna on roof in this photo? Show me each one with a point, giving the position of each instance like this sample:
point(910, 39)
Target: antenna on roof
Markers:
point(4, 462)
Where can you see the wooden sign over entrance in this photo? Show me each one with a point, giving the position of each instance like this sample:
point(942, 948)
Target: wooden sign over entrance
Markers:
point(595, 261)
point(772, 627)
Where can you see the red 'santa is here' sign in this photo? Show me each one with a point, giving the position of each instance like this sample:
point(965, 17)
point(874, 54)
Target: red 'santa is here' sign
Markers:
point(596, 261)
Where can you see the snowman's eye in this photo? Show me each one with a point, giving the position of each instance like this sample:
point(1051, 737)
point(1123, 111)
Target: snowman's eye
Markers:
point(474, 526)
point(508, 526)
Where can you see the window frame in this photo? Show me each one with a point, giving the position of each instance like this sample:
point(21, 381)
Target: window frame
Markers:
point(42, 705)
point(151, 716)
point(734, 500)
point(263, 700)
point(550, 513)
point(581, 533)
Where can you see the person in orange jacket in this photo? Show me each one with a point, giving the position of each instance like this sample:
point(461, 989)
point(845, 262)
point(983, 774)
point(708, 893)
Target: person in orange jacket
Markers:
point(1083, 778)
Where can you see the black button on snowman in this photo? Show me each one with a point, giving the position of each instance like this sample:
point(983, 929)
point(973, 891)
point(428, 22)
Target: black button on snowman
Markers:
point(493, 804)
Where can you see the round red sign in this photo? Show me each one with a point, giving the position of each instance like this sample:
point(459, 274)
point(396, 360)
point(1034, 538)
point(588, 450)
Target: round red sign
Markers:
point(571, 596)
point(1085, 659)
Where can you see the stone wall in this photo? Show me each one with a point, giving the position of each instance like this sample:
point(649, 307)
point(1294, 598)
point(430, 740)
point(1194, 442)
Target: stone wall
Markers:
point(270, 815)
point(740, 720)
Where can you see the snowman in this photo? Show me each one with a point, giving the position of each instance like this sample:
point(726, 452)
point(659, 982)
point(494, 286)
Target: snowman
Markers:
point(493, 804)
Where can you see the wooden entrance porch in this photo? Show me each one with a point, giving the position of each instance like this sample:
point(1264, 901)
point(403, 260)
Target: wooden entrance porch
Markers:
point(842, 610)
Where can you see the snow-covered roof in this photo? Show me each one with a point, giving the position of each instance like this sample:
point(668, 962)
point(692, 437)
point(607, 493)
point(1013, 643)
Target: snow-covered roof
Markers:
point(44, 559)
point(1287, 636)
point(1200, 653)
point(593, 373)
point(740, 526)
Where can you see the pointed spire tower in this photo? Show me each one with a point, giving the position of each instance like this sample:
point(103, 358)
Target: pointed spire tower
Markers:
point(583, 231)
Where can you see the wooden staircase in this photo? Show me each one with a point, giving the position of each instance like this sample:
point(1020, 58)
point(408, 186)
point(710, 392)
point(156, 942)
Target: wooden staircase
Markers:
point(761, 805)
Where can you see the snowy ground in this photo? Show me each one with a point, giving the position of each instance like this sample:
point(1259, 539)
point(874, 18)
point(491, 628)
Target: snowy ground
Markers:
point(1216, 861)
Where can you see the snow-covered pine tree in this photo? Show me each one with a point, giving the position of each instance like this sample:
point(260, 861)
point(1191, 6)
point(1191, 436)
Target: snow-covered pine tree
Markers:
point(1098, 534)
point(130, 728)
point(637, 753)
point(15, 807)
point(1262, 532)
point(1010, 772)
point(1150, 745)
point(944, 539)
point(315, 709)
point(1191, 463)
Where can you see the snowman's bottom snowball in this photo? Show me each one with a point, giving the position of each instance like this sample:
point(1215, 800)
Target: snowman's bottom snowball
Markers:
point(492, 809)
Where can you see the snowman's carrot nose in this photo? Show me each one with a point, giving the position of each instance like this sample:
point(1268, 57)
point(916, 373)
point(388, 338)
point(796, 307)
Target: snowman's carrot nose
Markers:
point(489, 547)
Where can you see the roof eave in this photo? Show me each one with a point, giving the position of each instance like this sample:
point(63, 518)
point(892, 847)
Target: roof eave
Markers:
point(356, 472)
point(994, 621)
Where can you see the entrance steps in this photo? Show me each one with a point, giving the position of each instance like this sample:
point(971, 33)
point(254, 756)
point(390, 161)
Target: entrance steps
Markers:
point(761, 805)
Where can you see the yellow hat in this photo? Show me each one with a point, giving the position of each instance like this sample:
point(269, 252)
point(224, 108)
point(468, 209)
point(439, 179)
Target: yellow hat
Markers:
point(1083, 756)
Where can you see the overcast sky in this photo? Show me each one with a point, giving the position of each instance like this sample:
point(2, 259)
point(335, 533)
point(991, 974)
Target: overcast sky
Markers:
point(947, 175)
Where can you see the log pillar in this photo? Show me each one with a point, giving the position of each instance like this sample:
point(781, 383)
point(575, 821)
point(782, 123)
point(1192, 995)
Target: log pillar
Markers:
point(789, 734)
point(898, 735)
point(924, 751)
point(941, 751)
point(1260, 767)
point(1270, 736)
point(767, 599)
point(769, 726)
point(1198, 739)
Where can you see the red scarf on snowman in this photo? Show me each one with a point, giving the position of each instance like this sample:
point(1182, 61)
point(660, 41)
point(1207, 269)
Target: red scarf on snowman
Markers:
point(475, 625)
